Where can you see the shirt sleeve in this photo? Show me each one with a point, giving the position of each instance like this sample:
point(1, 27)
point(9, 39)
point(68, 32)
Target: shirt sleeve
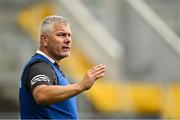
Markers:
point(40, 73)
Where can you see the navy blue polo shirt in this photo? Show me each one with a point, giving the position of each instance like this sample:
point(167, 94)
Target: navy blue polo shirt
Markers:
point(29, 109)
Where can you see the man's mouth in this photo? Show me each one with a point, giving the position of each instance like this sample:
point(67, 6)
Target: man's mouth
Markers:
point(66, 48)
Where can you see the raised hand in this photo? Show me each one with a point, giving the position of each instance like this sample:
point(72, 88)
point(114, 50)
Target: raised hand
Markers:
point(91, 76)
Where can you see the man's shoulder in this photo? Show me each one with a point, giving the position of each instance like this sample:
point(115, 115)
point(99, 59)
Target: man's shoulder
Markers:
point(40, 72)
point(40, 65)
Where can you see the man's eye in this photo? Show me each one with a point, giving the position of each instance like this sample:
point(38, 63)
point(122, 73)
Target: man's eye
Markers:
point(69, 35)
point(60, 34)
point(64, 34)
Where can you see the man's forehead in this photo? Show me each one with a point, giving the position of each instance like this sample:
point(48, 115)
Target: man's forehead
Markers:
point(61, 27)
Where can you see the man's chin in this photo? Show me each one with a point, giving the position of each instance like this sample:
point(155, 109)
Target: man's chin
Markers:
point(64, 56)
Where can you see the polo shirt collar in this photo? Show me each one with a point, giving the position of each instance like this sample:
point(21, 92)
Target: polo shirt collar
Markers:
point(46, 56)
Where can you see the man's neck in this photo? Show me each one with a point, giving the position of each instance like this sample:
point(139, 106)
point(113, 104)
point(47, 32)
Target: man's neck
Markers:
point(46, 55)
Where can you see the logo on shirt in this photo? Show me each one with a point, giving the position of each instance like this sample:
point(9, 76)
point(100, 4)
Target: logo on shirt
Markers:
point(39, 78)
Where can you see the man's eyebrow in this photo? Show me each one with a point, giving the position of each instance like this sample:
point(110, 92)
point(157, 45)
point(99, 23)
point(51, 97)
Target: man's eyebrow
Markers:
point(63, 32)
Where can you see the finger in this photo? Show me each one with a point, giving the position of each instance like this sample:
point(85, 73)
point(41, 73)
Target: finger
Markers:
point(95, 67)
point(95, 75)
point(100, 76)
point(99, 71)
point(98, 68)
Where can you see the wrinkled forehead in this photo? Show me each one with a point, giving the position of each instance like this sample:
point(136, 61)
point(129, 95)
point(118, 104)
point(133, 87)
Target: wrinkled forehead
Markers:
point(58, 26)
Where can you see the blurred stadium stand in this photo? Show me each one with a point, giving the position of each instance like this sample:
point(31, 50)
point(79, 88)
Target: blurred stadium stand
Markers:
point(138, 42)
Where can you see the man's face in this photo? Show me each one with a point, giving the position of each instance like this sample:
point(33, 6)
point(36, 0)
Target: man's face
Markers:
point(59, 41)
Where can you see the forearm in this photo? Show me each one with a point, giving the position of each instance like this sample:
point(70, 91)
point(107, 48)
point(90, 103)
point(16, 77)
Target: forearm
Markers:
point(44, 94)
point(51, 94)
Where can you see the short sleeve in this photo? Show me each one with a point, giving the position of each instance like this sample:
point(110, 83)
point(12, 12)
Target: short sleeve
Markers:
point(40, 73)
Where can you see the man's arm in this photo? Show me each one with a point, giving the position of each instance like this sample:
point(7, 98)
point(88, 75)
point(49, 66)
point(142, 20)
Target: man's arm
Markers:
point(44, 94)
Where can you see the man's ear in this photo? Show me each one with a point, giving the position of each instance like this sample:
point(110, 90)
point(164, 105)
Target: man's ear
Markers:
point(43, 40)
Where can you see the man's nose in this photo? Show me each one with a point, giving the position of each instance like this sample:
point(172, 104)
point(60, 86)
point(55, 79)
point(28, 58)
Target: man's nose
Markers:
point(67, 40)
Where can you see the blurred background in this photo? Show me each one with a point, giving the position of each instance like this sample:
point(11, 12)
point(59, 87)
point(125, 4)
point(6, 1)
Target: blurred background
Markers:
point(138, 41)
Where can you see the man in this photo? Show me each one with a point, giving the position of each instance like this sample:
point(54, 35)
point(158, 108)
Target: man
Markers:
point(45, 92)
